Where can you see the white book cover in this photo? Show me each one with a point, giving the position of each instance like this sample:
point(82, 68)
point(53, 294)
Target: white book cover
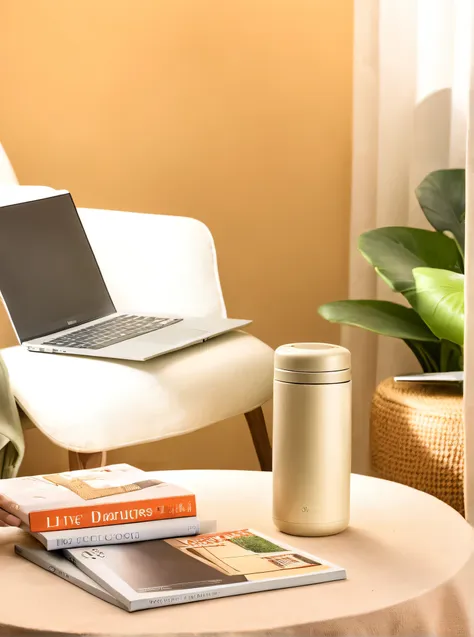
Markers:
point(56, 563)
point(187, 569)
point(124, 533)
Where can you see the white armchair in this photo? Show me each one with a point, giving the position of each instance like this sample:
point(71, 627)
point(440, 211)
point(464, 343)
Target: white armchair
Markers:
point(160, 264)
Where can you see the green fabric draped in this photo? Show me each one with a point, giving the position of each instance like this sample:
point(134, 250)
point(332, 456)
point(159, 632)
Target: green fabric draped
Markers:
point(12, 443)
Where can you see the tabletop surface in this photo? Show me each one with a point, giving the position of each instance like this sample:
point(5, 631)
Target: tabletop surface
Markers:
point(400, 544)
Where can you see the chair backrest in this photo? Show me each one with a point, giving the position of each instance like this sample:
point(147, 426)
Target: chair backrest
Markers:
point(156, 263)
point(7, 174)
point(150, 263)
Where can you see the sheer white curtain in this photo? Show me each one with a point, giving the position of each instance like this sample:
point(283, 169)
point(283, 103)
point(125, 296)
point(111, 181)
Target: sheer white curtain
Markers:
point(411, 102)
point(469, 294)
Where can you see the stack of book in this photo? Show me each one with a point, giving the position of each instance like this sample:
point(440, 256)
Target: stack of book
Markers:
point(136, 541)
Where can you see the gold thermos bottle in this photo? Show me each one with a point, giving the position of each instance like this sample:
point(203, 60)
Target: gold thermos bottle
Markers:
point(312, 439)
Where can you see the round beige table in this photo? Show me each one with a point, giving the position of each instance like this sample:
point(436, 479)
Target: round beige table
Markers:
point(408, 558)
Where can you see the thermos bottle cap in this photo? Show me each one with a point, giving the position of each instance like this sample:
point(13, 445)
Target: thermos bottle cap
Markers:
point(312, 357)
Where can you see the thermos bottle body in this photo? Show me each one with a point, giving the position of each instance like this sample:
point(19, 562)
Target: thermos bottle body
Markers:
point(312, 439)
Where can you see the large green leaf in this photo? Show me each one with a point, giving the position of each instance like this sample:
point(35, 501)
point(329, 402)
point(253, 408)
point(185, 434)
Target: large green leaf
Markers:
point(395, 252)
point(442, 197)
point(382, 317)
point(439, 300)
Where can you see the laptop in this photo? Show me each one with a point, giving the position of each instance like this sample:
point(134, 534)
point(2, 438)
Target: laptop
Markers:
point(58, 301)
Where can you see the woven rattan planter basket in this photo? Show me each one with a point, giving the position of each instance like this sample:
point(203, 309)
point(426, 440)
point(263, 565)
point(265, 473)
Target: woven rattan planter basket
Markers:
point(417, 438)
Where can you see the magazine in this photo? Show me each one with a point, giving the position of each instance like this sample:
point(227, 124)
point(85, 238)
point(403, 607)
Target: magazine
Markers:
point(175, 571)
point(117, 494)
point(55, 562)
point(124, 533)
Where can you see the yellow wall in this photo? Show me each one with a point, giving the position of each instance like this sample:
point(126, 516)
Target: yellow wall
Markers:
point(234, 112)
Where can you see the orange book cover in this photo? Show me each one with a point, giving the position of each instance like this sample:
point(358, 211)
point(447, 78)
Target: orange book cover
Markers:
point(117, 494)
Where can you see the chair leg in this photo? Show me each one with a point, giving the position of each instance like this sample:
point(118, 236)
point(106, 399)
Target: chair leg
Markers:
point(86, 460)
point(258, 429)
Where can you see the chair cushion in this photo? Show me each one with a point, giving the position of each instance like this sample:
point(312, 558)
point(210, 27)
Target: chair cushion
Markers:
point(93, 404)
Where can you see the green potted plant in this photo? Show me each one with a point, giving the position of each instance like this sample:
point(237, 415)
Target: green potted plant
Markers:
point(426, 267)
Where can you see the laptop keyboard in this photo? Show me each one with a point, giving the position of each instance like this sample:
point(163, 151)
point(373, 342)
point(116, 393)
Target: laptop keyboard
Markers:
point(115, 330)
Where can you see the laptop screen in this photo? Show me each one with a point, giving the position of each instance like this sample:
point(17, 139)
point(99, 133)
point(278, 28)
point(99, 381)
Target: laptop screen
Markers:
point(49, 278)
